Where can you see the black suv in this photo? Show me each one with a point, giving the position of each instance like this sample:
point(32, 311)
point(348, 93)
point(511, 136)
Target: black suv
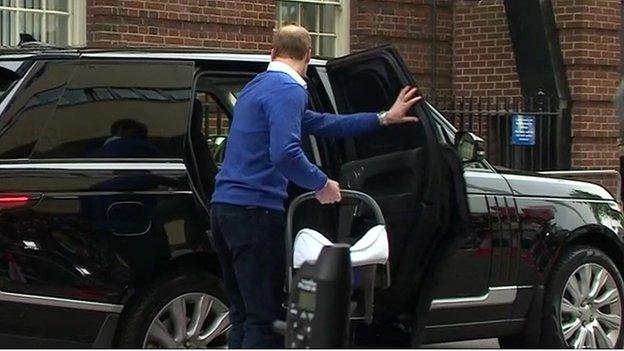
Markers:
point(107, 165)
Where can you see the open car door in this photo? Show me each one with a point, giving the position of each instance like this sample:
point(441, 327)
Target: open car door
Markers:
point(416, 180)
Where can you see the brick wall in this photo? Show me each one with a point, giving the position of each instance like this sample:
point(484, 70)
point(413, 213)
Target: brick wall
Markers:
point(484, 63)
point(231, 24)
point(588, 32)
point(407, 24)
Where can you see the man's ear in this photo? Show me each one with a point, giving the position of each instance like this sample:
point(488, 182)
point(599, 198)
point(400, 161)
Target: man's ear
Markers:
point(309, 55)
point(272, 54)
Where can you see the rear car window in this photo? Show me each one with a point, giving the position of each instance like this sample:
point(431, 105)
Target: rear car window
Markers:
point(33, 102)
point(120, 110)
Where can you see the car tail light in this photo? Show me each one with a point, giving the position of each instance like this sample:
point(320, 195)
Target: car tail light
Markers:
point(13, 201)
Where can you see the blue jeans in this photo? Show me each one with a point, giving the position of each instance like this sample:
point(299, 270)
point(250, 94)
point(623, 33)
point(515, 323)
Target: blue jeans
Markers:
point(251, 248)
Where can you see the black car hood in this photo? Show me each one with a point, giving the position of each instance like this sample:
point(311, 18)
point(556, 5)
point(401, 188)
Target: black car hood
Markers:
point(532, 184)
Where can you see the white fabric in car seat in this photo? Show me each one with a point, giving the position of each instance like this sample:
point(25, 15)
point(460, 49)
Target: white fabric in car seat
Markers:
point(308, 246)
point(372, 248)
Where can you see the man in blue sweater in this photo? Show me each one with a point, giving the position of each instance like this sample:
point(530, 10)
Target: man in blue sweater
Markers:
point(263, 154)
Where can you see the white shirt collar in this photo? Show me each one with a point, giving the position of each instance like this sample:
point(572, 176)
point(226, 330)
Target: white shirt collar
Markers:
point(279, 66)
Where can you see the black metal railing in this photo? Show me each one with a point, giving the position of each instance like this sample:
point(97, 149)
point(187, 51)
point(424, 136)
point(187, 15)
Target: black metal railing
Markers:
point(492, 118)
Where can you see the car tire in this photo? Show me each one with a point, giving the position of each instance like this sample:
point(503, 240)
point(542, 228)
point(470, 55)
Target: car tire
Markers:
point(571, 261)
point(169, 312)
point(574, 278)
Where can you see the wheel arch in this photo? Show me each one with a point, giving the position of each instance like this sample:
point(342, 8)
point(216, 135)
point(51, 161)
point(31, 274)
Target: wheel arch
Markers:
point(202, 262)
point(194, 260)
point(600, 237)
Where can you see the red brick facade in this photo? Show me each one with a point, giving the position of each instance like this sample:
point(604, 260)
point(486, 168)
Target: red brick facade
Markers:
point(483, 58)
point(240, 24)
point(408, 25)
point(589, 36)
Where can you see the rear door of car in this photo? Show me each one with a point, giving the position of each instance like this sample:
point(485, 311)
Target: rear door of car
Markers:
point(94, 194)
point(418, 185)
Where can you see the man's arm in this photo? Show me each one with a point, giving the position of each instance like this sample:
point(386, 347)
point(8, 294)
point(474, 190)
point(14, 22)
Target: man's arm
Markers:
point(339, 126)
point(342, 126)
point(284, 114)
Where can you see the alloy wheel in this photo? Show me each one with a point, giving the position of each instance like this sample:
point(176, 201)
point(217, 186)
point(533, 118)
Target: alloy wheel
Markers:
point(591, 310)
point(193, 320)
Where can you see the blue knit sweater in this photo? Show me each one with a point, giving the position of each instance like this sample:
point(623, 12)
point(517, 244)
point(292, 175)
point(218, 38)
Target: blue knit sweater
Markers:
point(264, 144)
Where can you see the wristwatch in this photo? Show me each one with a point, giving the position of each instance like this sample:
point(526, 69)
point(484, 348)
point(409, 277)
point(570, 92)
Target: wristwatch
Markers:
point(383, 118)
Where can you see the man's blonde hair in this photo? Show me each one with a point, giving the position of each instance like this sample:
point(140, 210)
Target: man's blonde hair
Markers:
point(292, 41)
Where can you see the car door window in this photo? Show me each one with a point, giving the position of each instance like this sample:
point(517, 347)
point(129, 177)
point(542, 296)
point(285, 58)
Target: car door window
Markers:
point(120, 110)
point(390, 139)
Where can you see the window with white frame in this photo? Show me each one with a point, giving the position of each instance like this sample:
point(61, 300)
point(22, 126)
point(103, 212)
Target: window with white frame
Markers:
point(326, 20)
point(56, 22)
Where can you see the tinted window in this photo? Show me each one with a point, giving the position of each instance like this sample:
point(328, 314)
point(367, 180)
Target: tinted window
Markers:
point(120, 110)
point(372, 87)
point(7, 78)
point(23, 119)
point(389, 139)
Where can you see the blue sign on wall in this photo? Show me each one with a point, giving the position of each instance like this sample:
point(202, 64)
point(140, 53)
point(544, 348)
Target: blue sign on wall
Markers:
point(523, 130)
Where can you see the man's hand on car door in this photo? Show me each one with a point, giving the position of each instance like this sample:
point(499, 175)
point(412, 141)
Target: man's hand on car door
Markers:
point(330, 193)
point(404, 102)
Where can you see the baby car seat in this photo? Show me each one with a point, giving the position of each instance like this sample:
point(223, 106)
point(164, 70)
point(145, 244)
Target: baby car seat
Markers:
point(370, 251)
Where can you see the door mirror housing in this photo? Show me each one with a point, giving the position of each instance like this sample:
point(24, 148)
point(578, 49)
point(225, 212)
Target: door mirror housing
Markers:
point(470, 147)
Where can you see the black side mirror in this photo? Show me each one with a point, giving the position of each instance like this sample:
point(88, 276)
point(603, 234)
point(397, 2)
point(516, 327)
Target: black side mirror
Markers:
point(470, 147)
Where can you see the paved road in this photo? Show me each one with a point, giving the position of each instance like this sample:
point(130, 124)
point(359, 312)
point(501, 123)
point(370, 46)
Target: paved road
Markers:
point(472, 344)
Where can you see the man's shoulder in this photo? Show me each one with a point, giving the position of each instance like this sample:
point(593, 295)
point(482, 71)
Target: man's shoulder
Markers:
point(282, 79)
point(274, 88)
point(278, 86)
